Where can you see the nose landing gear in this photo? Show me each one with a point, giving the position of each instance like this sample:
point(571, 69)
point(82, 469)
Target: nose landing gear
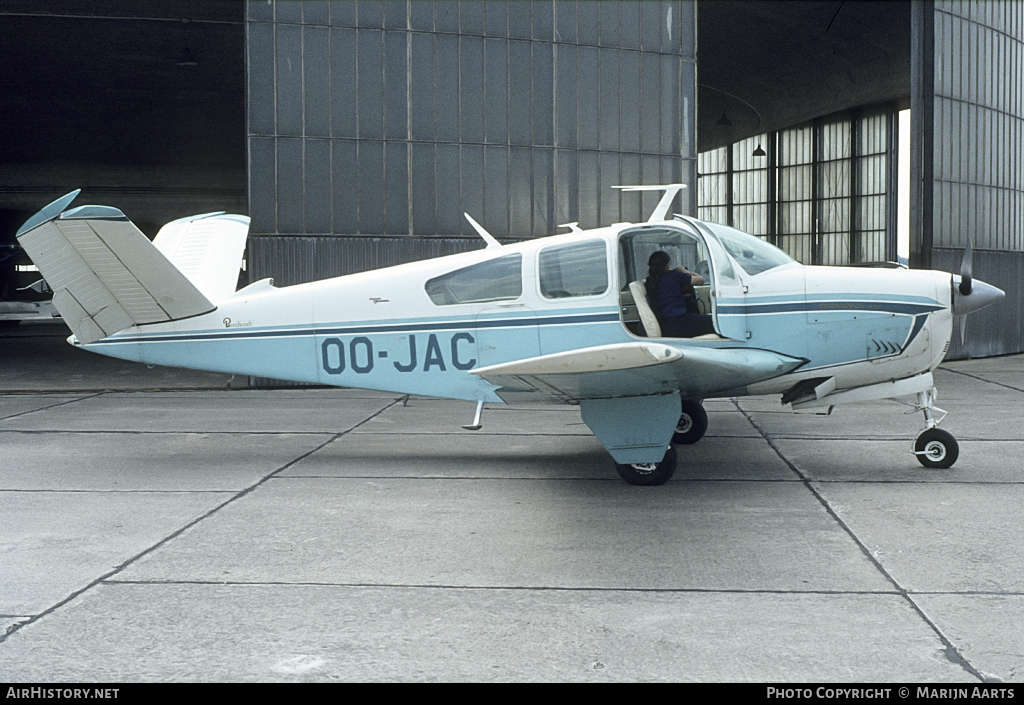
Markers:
point(934, 447)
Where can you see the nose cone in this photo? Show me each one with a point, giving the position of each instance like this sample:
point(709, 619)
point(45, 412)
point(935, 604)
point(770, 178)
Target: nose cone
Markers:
point(981, 295)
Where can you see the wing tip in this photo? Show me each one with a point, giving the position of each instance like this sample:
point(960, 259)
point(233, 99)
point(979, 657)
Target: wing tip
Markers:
point(48, 212)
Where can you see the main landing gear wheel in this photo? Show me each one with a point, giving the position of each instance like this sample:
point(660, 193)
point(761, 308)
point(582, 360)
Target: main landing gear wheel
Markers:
point(693, 423)
point(936, 448)
point(649, 474)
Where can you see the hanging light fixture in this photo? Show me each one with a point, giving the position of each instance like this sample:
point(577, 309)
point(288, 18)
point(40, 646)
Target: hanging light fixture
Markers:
point(759, 152)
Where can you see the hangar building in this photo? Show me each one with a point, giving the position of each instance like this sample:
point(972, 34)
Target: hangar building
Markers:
point(355, 133)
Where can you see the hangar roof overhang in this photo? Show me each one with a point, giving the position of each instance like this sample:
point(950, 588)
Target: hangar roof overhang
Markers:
point(772, 64)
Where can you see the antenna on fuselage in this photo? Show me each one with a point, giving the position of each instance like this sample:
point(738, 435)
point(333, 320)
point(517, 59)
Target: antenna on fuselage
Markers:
point(661, 210)
point(488, 238)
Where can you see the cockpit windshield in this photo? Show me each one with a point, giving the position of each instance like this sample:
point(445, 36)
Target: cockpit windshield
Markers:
point(752, 254)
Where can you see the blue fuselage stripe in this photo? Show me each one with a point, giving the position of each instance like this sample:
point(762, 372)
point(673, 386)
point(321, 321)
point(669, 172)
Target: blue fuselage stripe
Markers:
point(530, 318)
point(371, 328)
point(883, 307)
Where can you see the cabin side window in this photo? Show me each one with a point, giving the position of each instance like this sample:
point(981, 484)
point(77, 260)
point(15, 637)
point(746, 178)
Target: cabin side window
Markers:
point(577, 269)
point(499, 279)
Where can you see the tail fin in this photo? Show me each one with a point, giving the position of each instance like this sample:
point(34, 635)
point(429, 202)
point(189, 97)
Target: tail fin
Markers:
point(207, 249)
point(105, 274)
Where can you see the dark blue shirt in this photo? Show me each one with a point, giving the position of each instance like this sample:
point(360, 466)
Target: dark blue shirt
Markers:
point(668, 299)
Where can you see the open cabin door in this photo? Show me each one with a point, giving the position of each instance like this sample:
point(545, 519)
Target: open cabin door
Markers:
point(721, 295)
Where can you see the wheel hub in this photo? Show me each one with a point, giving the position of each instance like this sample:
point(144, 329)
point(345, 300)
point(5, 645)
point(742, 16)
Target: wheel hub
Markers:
point(935, 450)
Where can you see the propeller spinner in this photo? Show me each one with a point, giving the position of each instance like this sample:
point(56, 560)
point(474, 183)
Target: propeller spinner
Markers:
point(969, 295)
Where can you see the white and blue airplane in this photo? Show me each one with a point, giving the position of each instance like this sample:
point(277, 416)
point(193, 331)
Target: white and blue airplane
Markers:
point(561, 319)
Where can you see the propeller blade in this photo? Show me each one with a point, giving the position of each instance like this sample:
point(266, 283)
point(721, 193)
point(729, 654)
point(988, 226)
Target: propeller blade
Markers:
point(966, 267)
point(963, 330)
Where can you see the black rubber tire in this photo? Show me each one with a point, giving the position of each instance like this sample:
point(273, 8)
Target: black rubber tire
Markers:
point(648, 474)
point(693, 423)
point(936, 448)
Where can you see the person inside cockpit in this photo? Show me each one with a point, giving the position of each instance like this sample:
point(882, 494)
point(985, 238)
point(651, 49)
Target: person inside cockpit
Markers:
point(668, 293)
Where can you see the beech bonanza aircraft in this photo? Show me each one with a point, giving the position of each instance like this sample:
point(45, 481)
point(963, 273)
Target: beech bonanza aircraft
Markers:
point(562, 319)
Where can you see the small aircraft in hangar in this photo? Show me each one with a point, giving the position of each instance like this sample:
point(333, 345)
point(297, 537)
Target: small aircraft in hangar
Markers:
point(562, 319)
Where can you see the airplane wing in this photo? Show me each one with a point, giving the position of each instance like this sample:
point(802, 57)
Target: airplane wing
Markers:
point(105, 274)
point(634, 369)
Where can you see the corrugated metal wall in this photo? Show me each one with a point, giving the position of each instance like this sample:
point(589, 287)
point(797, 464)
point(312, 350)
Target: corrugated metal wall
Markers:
point(295, 260)
point(979, 125)
point(977, 167)
point(380, 123)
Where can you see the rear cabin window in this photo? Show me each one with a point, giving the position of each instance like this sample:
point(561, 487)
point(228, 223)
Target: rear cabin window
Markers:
point(577, 269)
point(499, 279)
